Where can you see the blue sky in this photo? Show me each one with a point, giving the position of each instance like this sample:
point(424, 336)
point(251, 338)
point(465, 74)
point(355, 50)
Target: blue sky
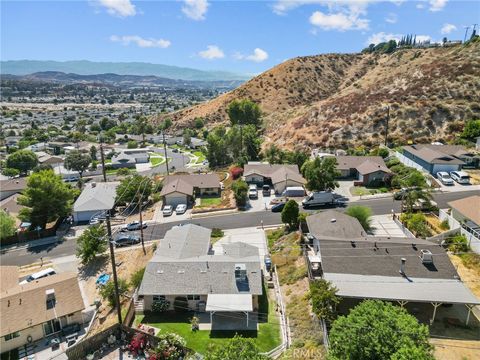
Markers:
point(240, 36)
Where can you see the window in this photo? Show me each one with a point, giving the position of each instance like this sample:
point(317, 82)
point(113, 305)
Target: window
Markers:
point(193, 297)
point(12, 335)
point(51, 327)
point(158, 297)
point(50, 303)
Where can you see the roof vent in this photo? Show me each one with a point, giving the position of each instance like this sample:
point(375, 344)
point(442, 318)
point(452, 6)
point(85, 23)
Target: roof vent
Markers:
point(181, 271)
point(402, 266)
point(333, 220)
point(426, 256)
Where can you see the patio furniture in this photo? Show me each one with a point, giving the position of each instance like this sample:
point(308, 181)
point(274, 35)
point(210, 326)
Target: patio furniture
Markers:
point(71, 339)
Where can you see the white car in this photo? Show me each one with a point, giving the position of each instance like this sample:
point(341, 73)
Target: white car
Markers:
point(134, 226)
point(167, 210)
point(38, 275)
point(180, 209)
point(444, 178)
point(460, 177)
point(252, 192)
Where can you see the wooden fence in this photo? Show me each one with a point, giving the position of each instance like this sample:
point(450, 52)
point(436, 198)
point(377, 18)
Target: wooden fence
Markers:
point(23, 237)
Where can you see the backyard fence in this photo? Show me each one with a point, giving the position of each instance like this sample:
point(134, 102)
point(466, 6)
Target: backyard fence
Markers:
point(23, 237)
point(473, 236)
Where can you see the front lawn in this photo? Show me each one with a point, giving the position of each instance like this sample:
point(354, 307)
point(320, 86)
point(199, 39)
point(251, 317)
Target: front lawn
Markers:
point(266, 338)
point(361, 190)
point(200, 155)
point(155, 161)
point(210, 201)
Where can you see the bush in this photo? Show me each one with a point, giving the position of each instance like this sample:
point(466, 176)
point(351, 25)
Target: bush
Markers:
point(290, 214)
point(216, 232)
point(444, 225)
point(458, 243)
point(160, 305)
point(170, 347)
point(132, 144)
point(362, 214)
point(240, 192)
point(136, 278)
point(107, 292)
point(123, 171)
point(7, 225)
point(236, 172)
point(416, 223)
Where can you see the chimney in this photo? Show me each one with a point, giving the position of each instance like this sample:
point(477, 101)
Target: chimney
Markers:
point(402, 266)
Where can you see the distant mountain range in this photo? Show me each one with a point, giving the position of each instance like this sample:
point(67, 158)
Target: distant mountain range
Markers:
point(129, 81)
point(84, 67)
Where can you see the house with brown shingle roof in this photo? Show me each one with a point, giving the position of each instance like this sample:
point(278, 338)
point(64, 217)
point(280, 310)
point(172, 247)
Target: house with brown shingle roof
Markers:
point(38, 309)
point(12, 186)
point(365, 169)
point(181, 189)
point(280, 176)
point(467, 210)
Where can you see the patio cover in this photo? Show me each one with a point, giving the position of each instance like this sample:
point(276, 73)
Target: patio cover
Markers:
point(229, 302)
point(402, 289)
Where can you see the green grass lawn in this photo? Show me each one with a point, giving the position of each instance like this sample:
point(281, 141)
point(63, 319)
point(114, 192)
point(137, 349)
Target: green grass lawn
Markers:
point(155, 161)
point(266, 338)
point(210, 201)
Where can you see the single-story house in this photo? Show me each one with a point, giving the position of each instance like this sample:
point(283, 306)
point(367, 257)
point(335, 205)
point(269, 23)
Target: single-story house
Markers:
point(11, 206)
point(280, 176)
point(184, 273)
point(401, 270)
point(67, 175)
point(12, 186)
point(12, 140)
point(196, 143)
point(47, 159)
point(435, 158)
point(181, 189)
point(365, 169)
point(37, 309)
point(95, 199)
point(37, 147)
point(129, 158)
point(467, 211)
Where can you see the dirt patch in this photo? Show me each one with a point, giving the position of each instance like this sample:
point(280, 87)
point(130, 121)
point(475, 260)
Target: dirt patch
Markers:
point(456, 349)
point(469, 275)
point(474, 176)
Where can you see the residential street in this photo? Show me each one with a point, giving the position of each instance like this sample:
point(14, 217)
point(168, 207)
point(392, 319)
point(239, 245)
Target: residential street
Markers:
point(24, 256)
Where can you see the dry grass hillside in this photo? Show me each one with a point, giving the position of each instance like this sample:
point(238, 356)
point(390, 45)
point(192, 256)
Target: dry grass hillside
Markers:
point(338, 99)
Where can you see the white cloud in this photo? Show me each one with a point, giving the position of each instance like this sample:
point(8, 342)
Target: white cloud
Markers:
point(141, 42)
point(448, 28)
point(422, 38)
point(420, 6)
point(391, 18)
point(121, 8)
point(384, 37)
point(437, 5)
point(258, 55)
point(281, 7)
point(338, 21)
point(195, 9)
point(212, 52)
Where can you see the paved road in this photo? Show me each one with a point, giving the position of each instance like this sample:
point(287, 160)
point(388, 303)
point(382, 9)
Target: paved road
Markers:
point(230, 221)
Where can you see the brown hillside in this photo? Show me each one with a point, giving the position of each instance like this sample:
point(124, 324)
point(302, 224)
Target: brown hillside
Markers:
point(337, 100)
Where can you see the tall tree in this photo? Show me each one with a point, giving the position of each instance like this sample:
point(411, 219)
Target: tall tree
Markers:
point(46, 198)
point(378, 330)
point(22, 160)
point(244, 112)
point(323, 296)
point(134, 188)
point(93, 153)
point(321, 173)
point(290, 214)
point(77, 161)
point(91, 243)
point(7, 225)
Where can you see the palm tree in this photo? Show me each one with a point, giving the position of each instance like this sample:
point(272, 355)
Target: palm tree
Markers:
point(410, 198)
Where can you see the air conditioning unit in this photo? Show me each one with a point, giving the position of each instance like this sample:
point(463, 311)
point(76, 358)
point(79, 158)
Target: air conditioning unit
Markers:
point(426, 256)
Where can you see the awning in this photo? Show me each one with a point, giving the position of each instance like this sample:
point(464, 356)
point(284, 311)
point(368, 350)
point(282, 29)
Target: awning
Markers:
point(229, 302)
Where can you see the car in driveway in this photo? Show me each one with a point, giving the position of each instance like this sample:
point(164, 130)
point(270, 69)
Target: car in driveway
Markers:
point(266, 190)
point(167, 210)
point(460, 177)
point(252, 192)
point(278, 207)
point(180, 209)
point(134, 226)
point(444, 178)
point(126, 239)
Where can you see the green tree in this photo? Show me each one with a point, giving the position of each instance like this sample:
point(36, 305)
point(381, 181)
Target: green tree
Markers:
point(290, 214)
point(244, 112)
point(22, 160)
point(272, 154)
point(93, 153)
point(216, 148)
point(321, 173)
point(133, 188)
point(46, 198)
point(10, 172)
point(141, 126)
point(91, 243)
point(199, 123)
point(106, 123)
point(323, 296)
point(132, 144)
point(413, 196)
point(165, 125)
point(471, 130)
point(77, 161)
point(107, 292)
point(136, 278)
point(240, 192)
point(187, 137)
point(237, 348)
point(7, 225)
point(362, 213)
point(378, 330)
point(296, 157)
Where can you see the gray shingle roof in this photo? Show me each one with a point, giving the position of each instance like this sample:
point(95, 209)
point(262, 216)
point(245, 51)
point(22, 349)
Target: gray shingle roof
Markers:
point(348, 162)
point(97, 196)
point(177, 185)
point(321, 225)
point(184, 242)
point(432, 155)
point(201, 181)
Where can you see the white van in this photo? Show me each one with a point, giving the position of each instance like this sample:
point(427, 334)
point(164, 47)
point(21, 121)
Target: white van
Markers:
point(460, 177)
point(38, 275)
point(294, 191)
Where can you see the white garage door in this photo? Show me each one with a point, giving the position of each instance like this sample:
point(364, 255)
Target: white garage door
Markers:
point(175, 199)
point(81, 216)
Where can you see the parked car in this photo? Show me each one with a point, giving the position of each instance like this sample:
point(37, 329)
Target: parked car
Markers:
point(294, 191)
point(460, 177)
point(444, 178)
point(403, 192)
point(175, 150)
point(167, 210)
point(180, 209)
point(126, 239)
point(38, 275)
point(320, 198)
point(252, 192)
point(134, 226)
point(266, 190)
point(278, 207)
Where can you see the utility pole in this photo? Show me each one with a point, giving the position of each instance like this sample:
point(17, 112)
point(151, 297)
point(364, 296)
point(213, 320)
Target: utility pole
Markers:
point(466, 32)
point(141, 223)
point(165, 149)
point(386, 126)
point(114, 268)
point(104, 171)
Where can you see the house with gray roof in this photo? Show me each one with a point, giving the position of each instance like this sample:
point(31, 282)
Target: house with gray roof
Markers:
point(181, 189)
point(185, 274)
point(95, 199)
point(128, 158)
point(280, 176)
point(403, 270)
